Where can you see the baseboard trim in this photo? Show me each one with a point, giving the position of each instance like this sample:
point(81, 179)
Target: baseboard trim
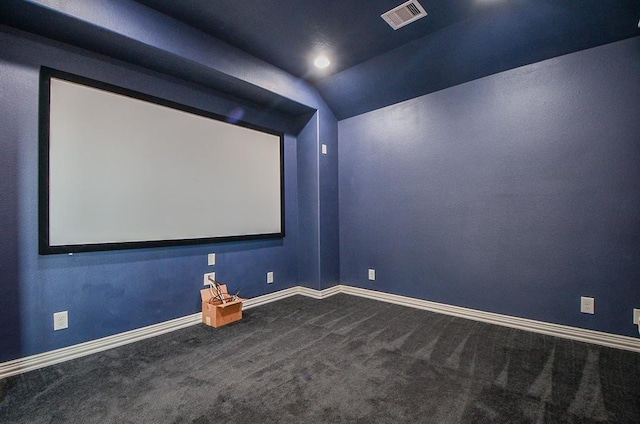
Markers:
point(45, 359)
point(320, 294)
point(293, 291)
point(30, 363)
point(557, 330)
point(270, 297)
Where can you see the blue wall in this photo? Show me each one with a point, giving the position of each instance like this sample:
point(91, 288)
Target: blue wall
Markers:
point(318, 257)
point(10, 329)
point(110, 292)
point(328, 208)
point(516, 193)
point(308, 205)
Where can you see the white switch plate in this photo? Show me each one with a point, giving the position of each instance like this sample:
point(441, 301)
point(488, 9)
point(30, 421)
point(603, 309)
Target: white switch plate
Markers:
point(60, 320)
point(324, 149)
point(211, 259)
point(587, 305)
point(206, 281)
point(269, 277)
point(372, 274)
point(636, 316)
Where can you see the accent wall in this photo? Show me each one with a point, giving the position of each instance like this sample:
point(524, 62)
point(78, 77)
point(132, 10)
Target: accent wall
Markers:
point(111, 292)
point(517, 193)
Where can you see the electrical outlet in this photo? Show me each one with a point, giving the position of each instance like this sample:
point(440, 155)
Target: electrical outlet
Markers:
point(324, 149)
point(636, 316)
point(211, 259)
point(206, 280)
point(587, 305)
point(269, 277)
point(60, 320)
point(372, 274)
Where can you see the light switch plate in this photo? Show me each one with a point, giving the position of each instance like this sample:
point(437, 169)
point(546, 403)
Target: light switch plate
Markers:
point(211, 259)
point(269, 277)
point(372, 274)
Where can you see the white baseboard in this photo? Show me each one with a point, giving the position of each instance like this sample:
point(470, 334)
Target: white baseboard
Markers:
point(30, 363)
point(557, 330)
point(45, 359)
point(41, 360)
point(269, 297)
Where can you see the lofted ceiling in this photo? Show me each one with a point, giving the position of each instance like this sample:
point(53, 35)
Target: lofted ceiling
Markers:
point(374, 66)
point(288, 33)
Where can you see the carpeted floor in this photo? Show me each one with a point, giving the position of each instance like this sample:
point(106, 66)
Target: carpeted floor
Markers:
point(340, 360)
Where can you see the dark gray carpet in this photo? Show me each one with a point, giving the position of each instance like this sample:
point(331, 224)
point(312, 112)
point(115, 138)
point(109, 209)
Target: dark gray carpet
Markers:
point(339, 360)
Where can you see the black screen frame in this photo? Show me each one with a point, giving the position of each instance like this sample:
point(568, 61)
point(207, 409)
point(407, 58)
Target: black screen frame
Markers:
point(44, 245)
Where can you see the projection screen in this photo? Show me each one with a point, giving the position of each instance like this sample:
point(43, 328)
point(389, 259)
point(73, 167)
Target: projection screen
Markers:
point(121, 169)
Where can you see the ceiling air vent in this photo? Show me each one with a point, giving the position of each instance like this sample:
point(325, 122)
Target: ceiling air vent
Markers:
point(404, 14)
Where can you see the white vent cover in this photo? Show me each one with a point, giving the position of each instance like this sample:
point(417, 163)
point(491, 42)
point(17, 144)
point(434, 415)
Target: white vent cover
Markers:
point(404, 14)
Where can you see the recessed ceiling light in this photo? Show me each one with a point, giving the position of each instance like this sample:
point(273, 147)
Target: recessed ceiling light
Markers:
point(322, 62)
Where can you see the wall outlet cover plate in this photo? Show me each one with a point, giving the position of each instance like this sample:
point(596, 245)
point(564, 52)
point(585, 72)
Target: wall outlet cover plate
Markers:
point(587, 305)
point(206, 280)
point(60, 320)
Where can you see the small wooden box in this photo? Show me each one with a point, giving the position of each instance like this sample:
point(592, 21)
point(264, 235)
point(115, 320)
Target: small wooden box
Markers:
point(215, 313)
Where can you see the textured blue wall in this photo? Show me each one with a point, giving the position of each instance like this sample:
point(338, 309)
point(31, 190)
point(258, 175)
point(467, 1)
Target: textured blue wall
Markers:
point(10, 329)
point(109, 292)
point(516, 193)
point(329, 216)
point(318, 256)
point(308, 206)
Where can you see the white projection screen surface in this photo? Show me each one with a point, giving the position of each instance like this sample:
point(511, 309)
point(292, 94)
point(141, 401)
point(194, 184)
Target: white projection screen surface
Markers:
point(124, 171)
